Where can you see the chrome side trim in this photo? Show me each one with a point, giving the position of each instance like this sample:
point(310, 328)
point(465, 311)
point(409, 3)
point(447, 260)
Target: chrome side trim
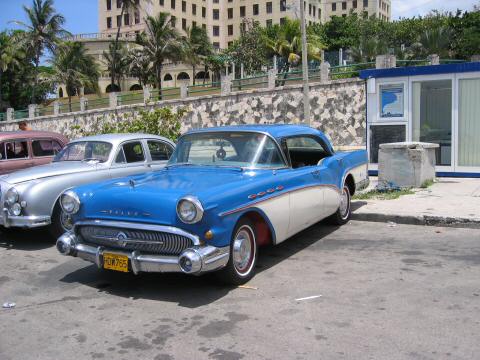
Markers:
point(275, 195)
point(139, 226)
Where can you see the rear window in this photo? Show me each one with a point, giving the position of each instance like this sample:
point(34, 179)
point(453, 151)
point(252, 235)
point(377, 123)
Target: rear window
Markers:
point(47, 147)
point(13, 150)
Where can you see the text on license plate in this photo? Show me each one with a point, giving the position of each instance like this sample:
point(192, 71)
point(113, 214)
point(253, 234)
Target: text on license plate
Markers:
point(115, 262)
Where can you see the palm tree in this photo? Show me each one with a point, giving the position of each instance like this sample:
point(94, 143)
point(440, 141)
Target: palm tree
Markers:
point(196, 48)
point(10, 55)
point(74, 68)
point(367, 49)
point(126, 6)
point(140, 66)
point(436, 40)
point(117, 62)
point(43, 31)
point(160, 42)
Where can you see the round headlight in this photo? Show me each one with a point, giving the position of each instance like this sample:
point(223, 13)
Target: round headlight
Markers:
point(70, 202)
point(11, 197)
point(190, 210)
point(16, 209)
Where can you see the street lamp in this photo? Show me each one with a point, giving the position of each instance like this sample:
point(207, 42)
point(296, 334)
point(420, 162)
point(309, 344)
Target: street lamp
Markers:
point(306, 88)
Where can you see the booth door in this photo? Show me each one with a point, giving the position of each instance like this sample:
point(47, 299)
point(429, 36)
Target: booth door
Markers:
point(432, 117)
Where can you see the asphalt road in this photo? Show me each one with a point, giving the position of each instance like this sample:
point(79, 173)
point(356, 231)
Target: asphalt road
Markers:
point(403, 292)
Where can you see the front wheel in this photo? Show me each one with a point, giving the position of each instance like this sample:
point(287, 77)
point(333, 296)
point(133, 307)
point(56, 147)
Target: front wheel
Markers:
point(61, 222)
point(243, 254)
point(344, 211)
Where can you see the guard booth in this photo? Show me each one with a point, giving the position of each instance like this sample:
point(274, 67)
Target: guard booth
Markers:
point(434, 104)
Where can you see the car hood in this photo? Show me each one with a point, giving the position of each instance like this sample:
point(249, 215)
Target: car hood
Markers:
point(153, 197)
point(48, 170)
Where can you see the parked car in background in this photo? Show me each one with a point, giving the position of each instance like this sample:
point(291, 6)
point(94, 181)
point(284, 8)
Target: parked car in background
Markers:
point(224, 192)
point(24, 149)
point(30, 196)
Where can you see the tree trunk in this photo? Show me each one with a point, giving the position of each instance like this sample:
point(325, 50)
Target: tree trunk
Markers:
point(205, 76)
point(69, 103)
point(114, 55)
point(159, 80)
point(37, 62)
point(1, 94)
point(194, 72)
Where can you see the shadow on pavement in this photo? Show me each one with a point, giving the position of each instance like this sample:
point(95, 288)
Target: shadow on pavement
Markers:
point(357, 204)
point(26, 240)
point(188, 291)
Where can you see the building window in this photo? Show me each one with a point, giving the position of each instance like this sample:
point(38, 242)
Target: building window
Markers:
point(255, 9)
point(194, 9)
point(172, 4)
point(184, 24)
point(119, 4)
point(269, 23)
point(242, 11)
point(204, 27)
point(216, 30)
point(269, 7)
point(344, 5)
point(119, 20)
point(204, 12)
point(230, 30)
point(194, 24)
point(309, 9)
point(334, 6)
point(230, 13)
point(283, 20)
point(314, 11)
point(137, 17)
point(126, 19)
point(216, 45)
point(230, 43)
point(365, 3)
point(173, 21)
point(215, 1)
point(109, 22)
point(319, 13)
point(216, 14)
point(161, 2)
point(283, 5)
point(109, 4)
point(354, 4)
point(184, 6)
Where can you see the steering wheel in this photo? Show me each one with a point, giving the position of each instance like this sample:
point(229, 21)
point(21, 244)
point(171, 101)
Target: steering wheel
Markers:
point(221, 153)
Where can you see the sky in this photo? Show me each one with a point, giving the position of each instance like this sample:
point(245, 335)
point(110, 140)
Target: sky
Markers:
point(81, 15)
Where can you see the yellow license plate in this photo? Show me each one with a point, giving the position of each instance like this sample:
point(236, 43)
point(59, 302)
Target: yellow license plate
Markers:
point(115, 262)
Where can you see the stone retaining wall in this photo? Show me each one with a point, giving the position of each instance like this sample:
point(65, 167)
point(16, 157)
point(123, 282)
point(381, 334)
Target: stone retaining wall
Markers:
point(338, 108)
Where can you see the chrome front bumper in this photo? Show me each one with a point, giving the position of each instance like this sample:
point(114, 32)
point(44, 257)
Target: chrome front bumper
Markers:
point(194, 260)
point(8, 220)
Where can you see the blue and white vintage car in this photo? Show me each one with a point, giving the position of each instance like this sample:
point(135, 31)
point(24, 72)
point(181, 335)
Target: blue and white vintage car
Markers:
point(225, 192)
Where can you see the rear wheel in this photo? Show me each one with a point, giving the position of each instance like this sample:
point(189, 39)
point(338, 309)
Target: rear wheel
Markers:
point(344, 211)
point(243, 254)
point(61, 222)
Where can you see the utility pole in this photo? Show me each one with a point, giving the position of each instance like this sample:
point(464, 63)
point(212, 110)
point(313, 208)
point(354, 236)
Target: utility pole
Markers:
point(306, 88)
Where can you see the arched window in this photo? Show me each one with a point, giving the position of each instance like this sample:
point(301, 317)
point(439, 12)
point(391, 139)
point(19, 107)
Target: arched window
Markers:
point(202, 75)
point(60, 93)
point(167, 77)
point(183, 76)
point(114, 88)
point(136, 87)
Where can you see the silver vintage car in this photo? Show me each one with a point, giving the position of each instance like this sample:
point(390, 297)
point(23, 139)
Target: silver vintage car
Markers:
point(29, 198)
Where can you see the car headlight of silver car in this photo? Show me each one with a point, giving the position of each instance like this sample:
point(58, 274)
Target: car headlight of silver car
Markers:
point(11, 197)
point(189, 210)
point(70, 202)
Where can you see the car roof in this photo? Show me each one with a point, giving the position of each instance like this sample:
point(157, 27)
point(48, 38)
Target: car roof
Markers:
point(7, 135)
point(119, 138)
point(277, 131)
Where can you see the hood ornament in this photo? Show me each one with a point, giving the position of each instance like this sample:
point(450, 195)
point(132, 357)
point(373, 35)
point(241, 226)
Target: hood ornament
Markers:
point(132, 183)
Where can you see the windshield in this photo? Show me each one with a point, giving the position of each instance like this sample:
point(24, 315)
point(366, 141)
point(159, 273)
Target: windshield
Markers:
point(237, 149)
point(85, 151)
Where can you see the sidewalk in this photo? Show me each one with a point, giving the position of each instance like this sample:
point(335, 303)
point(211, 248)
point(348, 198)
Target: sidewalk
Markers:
point(449, 202)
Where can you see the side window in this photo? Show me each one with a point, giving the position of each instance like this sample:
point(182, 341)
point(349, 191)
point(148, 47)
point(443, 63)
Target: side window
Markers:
point(305, 151)
point(159, 150)
point(2, 151)
point(132, 153)
point(45, 147)
point(14, 150)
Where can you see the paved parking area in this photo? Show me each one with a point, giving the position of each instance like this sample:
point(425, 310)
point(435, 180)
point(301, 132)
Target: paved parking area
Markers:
point(402, 292)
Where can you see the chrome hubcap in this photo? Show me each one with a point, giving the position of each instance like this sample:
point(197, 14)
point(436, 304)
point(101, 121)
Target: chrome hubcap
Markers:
point(243, 250)
point(344, 203)
point(66, 221)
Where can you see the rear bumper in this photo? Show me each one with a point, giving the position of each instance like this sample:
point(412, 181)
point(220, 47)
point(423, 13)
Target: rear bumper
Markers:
point(194, 260)
point(8, 220)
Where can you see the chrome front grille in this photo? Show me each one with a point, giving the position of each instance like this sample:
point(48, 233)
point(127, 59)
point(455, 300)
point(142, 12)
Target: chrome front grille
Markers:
point(146, 241)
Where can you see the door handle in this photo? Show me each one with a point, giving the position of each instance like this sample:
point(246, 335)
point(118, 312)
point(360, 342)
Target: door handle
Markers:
point(315, 172)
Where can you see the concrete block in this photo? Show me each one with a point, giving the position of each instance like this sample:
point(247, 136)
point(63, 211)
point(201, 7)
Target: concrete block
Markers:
point(32, 109)
point(113, 100)
point(226, 85)
point(56, 107)
point(325, 72)
point(10, 114)
point(407, 164)
point(386, 61)
point(183, 91)
point(272, 77)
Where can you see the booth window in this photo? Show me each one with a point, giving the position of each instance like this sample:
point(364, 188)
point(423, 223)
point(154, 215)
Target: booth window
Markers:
point(468, 122)
point(384, 134)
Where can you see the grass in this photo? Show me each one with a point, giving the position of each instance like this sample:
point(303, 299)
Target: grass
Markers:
point(383, 195)
point(427, 184)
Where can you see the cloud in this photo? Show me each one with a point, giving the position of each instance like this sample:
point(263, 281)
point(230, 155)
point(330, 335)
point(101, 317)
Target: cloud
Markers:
point(410, 8)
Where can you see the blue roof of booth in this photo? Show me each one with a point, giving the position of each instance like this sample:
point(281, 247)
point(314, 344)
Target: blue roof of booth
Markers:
point(420, 70)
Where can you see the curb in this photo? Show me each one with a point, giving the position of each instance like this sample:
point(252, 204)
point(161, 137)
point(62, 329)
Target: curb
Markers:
point(426, 220)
